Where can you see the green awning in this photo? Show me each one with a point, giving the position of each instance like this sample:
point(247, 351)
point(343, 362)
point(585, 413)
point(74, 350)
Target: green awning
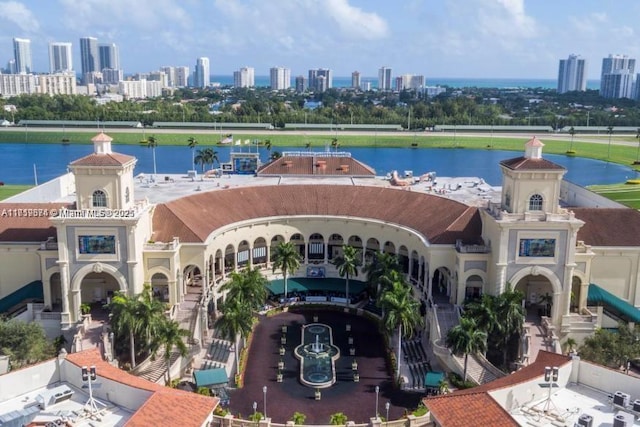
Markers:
point(209, 377)
point(432, 379)
point(612, 303)
point(306, 284)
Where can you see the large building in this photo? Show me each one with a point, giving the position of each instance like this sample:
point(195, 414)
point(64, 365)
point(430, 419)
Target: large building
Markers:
point(320, 79)
point(89, 56)
point(109, 56)
point(409, 82)
point(616, 78)
point(572, 74)
point(355, 80)
point(244, 77)
point(56, 84)
point(280, 78)
point(384, 79)
point(60, 58)
point(22, 56)
point(201, 77)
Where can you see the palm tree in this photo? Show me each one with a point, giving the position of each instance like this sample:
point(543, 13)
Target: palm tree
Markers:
point(192, 142)
point(572, 132)
point(152, 143)
point(378, 271)
point(638, 151)
point(236, 321)
point(267, 145)
point(401, 311)
point(124, 320)
point(347, 265)
point(335, 144)
point(212, 156)
point(610, 133)
point(510, 312)
point(248, 286)
point(200, 159)
point(466, 338)
point(285, 258)
point(169, 335)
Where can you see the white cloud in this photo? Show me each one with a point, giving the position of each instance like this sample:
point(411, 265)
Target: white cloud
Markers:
point(506, 19)
point(20, 15)
point(355, 22)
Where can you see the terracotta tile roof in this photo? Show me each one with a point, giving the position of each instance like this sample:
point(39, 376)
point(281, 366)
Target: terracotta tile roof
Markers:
point(111, 159)
point(523, 163)
point(476, 406)
point(101, 137)
point(440, 220)
point(18, 224)
point(316, 165)
point(604, 226)
point(166, 406)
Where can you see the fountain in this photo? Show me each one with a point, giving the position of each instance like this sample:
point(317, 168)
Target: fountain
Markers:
point(317, 356)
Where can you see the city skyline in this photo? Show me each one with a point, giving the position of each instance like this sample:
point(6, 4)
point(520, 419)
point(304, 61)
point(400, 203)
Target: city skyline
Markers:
point(443, 38)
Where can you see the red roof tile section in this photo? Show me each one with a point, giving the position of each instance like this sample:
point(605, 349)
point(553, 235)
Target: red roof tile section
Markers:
point(111, 159)
point(523, 163)
point(194, 218)
point(609, 226)
point(316, 165)
point(166, 406)
point(28, 222)
point(475, 406)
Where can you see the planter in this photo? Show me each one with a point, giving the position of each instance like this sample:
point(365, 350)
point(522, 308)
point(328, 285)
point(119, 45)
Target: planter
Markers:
point(318, 395)
point(315, 319)
point(282, 351)
point(350, 340)
point(283, 340)
point(348, 327)
point(354, 365)
point(356, 377)
point(279, 378)
point(281, 365)
point(284, 329)
point(352, 351)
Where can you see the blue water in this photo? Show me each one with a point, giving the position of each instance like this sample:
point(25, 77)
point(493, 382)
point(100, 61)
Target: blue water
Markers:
point(51, 160)
point(340, 82)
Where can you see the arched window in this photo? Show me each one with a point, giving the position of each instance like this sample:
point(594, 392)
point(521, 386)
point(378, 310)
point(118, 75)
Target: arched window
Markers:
point(99, 199)
point(126, 195)
point(535, 203)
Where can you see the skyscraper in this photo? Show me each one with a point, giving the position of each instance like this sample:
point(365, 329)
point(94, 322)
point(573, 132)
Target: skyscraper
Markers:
point(616, 78)
point(22, 55)
point(89, 55)
point(320, 79)
point(572, 74)
point(109, 56)
point(60, 58)
point(245, 77)
point(355, 80)
point(301, 84)
point(182, 77)
point(201, 76)
point(280, 78)
point(384, 78)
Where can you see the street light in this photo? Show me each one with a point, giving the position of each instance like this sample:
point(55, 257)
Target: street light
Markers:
point(255, 407)
point(264, 406)
point(387, 406)
point(377, 392)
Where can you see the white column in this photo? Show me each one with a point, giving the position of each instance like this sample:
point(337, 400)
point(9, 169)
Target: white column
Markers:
point(326, 252)
point(250, 256)
point(64, 285)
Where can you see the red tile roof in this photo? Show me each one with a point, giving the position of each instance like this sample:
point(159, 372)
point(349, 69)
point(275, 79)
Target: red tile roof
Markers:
point(604, 226)
point(316, 165)
point(111, 159)
point(475, 406)
point(28, 222)
point(166, 406)
point(440, 220)
point(523, 163)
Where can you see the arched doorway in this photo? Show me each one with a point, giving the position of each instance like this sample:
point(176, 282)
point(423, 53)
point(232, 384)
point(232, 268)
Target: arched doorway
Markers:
point(192, 277)
point(576, 286)
point(98, 288)
point(538, 293)
point(316, 248)
point(441, 285)
point(473, 288)
point(373, 246)
point(160, 287)
point(243, 254)
point(298, 242)
point(260, 252)
point(335, 243)
point(275, 241)
point(403, 259)
point(55, 285)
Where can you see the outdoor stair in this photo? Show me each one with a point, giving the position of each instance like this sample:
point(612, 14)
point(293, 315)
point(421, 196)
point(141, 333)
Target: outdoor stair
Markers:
point(476, 371)
point(157, 368)
point(219, 351)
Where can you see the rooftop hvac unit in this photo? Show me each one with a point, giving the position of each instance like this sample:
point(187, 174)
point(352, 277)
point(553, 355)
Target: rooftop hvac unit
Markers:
point(619, 420)
point(621, 399)
point(585, 420)
point(636, 405)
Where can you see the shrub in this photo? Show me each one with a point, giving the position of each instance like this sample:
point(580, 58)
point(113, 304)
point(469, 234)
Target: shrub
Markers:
point(571, 152)
point(220, 411)
point(204, 391)
point(256, 416)
point(420, 410)
point(298, 418)
point(457, 382)
point(633, 181)
point(338, 419)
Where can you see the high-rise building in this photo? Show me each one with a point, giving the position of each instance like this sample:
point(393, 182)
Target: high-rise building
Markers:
point(245, 77)
point(320, 79)
point(182, 77)
point(201, 76)
point(355, 80)
point(301, 84)
point(89, 55)
point(22, 55)
point(616, 78)
point(409, 82)
point(572, 74)
point(109, 56)
point(60, 58)
point(384, 78)
point(280, 78)
point(11, 66)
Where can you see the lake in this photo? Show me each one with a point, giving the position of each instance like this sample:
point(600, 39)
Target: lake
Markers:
point(51, 160)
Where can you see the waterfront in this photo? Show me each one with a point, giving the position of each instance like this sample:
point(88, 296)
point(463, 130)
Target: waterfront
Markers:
point(51, 160)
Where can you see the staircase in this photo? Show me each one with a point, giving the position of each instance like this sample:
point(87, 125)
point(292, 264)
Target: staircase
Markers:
point(154, 370)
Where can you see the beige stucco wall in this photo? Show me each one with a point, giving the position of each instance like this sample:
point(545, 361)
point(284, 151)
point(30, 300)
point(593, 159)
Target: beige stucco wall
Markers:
point(19, 265)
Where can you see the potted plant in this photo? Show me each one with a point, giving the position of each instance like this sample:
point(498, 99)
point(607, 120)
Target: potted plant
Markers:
point(356, 377)
point(279, 376)
point(298, 418)
point(283, 340)
point(85, 308)
point(354, 365)
point(338, 419)
point(352, 351)
point(282, 351)
point(318, 394)
point(281, 364)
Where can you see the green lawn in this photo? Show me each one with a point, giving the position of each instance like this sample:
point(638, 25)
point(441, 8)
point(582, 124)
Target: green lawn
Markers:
point(7, 191)
point(627, 194)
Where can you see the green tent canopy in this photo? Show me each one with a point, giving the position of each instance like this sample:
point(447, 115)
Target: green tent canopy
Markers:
point(433, 379)
point(210, 377)
point(616, 306)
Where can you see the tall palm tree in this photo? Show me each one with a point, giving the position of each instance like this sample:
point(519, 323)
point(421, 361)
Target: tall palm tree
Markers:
point(212, 156)
point(466, 338)
point(401, 312)
point(286, 258)
point(248, 286)
point(169, 335)
point(152, 143)
point(202, 158)
point(347, 265)
point(236, 321)
point(124, 320)
point(572, 132)
point(267, 145)
point(191, 143)
point(610, 133)
point(511, 315)
point(378, 270)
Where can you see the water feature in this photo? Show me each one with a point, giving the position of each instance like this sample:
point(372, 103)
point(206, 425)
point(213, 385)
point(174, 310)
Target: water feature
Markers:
point(317, 356)
point(51, 160)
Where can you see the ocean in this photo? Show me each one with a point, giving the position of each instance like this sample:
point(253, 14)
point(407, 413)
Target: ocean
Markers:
point(339, 82)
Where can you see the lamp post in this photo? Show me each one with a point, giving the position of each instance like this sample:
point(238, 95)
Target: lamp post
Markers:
point(387, 406)
point(264, 406)
point(377, 393)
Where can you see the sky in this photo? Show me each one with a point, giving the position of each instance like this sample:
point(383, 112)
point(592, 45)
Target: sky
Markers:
point(435, 38)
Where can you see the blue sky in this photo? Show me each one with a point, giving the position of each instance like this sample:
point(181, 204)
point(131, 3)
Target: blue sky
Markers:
point(436, 38)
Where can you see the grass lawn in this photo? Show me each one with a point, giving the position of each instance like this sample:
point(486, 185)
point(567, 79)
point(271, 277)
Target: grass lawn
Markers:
point(627, 194)
point(7, 191)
